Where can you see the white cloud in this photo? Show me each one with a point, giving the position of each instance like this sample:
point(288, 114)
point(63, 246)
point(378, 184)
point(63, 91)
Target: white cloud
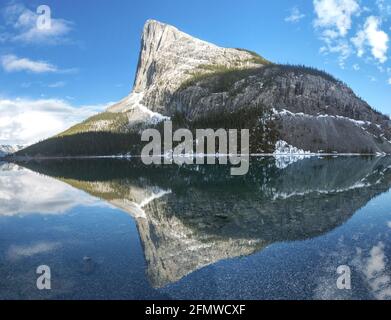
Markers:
point(381, 68)
point(12, 63)
point(376, 273)
point(334, 21)
point(384, 8)
point(58, 84)
point(329, 34)
point(16, 252)
point(295, 15)
point(335, 15)
point(24, 121)
point(51, 196)
point(356, 67)
point(374, 37)
point(22, 23)
point(340, 47)
point(359, 42)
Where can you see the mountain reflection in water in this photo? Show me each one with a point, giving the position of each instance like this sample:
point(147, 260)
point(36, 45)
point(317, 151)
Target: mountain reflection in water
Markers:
point(192, 216)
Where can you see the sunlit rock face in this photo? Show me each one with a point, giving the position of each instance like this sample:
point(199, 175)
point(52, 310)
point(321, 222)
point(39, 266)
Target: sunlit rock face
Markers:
point(311, 111)
point(191, 217)
point(174, 249)
point(168, 56)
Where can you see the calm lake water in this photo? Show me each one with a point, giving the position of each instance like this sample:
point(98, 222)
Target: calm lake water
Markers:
point(116, 229)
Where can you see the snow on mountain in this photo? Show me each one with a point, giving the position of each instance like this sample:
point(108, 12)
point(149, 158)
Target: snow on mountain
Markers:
point(9, 149)
point(137, 111)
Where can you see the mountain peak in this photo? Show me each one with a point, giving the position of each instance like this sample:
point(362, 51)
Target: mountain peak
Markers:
point(7, 149)
point(156, 37)
point(168, 57)
point(154, 31)
point(152, 23)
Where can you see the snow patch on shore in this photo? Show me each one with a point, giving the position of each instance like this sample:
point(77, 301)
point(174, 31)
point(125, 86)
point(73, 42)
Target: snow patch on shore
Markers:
point(285, 154)
point(283, 148)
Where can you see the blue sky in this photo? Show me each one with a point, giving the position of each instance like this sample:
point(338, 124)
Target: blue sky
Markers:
point(88, 59)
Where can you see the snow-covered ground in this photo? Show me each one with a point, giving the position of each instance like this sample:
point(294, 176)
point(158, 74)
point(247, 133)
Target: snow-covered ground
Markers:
point(283, 195)
point(285, 154)
point(358, 123)
point(133, 103)
point(136, 209)
point(283, 148)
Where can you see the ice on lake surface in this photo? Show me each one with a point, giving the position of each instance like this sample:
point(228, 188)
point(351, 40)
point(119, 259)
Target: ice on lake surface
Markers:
point(117, 229)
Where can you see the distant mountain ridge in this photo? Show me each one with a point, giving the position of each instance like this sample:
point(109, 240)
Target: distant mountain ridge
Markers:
point(7, 149)
point(200, 85)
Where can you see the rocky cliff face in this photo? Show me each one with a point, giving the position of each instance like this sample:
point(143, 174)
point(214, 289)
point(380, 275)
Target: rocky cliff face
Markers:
point(169, 57)
point(312, 110)
point(179, 76)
